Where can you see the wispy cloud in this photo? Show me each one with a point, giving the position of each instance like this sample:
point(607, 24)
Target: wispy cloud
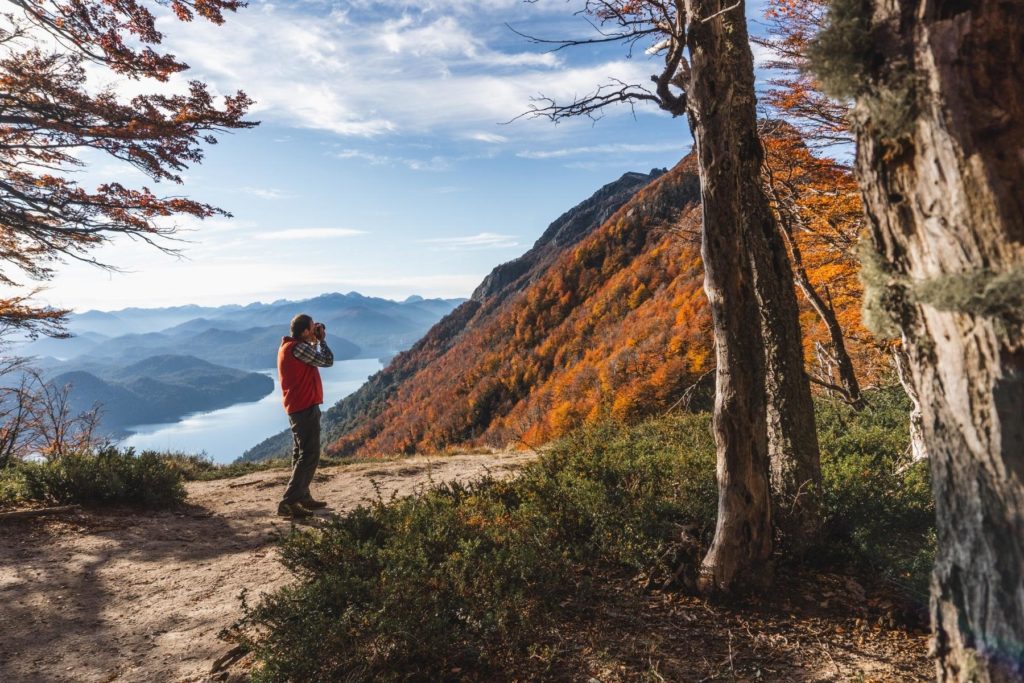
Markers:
point(434, 163)
point(492, 138)
point(266, 192)
point(483, 240)
point(308, 234)
point(596, 149)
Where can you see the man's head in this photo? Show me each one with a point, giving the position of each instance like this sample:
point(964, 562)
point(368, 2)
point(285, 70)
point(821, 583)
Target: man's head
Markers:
point(301, 324)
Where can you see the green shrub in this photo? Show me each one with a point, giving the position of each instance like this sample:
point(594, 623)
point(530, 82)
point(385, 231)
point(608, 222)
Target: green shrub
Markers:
point(472, 575)
point(200, 467)
point(879, 511)
point(618, 493)
point(12, 486)
point(107, 477)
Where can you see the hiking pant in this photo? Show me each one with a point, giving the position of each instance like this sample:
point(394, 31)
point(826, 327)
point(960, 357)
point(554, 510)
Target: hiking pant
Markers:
point(305, 454)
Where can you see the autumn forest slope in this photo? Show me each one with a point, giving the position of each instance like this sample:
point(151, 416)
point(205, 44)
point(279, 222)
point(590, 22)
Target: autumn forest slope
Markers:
point(612, 321)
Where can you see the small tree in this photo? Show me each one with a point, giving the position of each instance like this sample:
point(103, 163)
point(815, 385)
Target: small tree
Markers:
point(15, 416)
point(54, 428)
point(37, 418)
point(50, 113)
point(817, 206)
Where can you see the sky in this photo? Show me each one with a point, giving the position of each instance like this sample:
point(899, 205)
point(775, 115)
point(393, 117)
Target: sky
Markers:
point(384, 162)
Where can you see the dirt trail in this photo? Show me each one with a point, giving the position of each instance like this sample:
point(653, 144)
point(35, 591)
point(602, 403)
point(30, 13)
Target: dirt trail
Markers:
point(120, 596)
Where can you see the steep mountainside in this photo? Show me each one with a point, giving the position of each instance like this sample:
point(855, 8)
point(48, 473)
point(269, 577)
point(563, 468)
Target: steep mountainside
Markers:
point(597, 319)
point(503, 284)
point(609, 324)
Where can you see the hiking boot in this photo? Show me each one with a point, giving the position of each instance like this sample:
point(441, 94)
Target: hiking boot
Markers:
point(293, 510)
point(312, 504)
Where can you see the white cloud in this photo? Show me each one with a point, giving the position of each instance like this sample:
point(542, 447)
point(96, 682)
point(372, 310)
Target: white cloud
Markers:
point(419, 74)
point(375, 159)
point(434, 163)
point(266, 192)
point(596, 149)
point(308, 234)
point(483, 240)
point(491, 138)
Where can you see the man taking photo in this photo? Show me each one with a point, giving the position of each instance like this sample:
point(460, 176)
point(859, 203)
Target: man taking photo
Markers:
point(299, 360)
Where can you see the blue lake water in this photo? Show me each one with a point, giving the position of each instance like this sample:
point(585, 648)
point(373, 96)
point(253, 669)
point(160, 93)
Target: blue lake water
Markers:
point(226, 433)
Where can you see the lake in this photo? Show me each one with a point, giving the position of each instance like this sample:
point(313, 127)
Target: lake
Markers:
point(226, 433)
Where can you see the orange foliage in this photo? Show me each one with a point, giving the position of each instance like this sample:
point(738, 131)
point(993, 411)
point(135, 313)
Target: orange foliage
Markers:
point(794, 93)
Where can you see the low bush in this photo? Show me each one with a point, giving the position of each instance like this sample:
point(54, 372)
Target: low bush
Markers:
point(471, 577)
point(202, 468)
point(108, 476)
point(879, 510)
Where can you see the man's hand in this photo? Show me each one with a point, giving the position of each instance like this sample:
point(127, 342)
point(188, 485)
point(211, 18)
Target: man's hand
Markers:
point(320, 331)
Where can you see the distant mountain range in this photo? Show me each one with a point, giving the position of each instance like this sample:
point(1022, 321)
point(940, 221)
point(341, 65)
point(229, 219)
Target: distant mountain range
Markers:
point(243, 337)
point(149, 365)
point(159, 389)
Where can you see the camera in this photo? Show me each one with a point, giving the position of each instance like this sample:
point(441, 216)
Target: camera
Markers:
point(319, 329)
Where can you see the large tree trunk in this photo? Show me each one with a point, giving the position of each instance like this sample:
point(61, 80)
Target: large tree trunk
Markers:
point(720, 96)
point(792, 435)
point(945, 195)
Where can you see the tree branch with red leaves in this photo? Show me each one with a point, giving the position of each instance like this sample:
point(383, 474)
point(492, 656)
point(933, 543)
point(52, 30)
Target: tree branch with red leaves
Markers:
point(50, 113)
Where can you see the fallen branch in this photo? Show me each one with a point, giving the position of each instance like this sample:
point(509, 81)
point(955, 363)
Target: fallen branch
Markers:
point(229, 658)
point(38, 512)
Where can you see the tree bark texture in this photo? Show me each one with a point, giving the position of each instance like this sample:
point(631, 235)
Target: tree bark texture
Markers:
point(945, 198)
point(792, 434)
point(721, 112)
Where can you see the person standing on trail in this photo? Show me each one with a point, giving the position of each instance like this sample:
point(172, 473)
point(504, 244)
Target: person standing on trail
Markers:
point(299, 359)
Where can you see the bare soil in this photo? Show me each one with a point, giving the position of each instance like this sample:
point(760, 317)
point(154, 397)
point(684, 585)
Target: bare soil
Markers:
point(127, 596)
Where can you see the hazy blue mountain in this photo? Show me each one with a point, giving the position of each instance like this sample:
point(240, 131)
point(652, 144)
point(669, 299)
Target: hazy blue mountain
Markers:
point(160, 389)
point(131, 359)
point(358, 326)
point(251, 349)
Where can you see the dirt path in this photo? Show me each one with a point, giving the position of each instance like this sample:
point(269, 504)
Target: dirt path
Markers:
point(117, 596)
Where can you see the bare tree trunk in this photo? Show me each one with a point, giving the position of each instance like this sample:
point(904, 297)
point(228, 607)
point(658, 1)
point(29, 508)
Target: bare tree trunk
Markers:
point(792, 434)
point(941, 165)
point(721, 112)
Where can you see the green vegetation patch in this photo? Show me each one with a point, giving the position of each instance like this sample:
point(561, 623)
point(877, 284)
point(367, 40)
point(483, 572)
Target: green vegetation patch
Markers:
point(470, 576)
point(474, 577)
point(197, 467)
point(108, 476)
point(879, 510)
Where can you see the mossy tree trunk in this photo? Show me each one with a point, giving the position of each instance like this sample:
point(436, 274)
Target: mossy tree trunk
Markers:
point(721, 112)
point(940, 128)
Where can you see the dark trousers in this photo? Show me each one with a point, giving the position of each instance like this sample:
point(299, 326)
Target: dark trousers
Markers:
point(305, 455)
